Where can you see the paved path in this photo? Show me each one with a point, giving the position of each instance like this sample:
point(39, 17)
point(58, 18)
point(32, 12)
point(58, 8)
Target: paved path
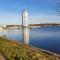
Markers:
point(1, 57)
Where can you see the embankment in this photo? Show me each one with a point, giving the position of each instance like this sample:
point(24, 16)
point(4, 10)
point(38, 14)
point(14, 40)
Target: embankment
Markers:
point(12, 50)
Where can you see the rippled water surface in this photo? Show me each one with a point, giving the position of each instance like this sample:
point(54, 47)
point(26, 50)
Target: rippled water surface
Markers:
point(45, 38)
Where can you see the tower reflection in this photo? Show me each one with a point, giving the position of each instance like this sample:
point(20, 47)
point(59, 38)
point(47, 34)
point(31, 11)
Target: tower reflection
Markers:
point(26, 35)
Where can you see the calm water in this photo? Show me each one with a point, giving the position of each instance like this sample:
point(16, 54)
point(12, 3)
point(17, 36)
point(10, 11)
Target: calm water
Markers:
point(45, 38)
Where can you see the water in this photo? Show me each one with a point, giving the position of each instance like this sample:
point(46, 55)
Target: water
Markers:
point(45, 38)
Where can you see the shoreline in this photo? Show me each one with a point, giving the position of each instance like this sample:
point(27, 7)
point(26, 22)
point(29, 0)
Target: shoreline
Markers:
point(33, 47)
point(48, 53)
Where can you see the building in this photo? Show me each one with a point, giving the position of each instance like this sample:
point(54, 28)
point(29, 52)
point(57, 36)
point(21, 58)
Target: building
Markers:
point(25, 25)
point(25, 18)
point(1, 27)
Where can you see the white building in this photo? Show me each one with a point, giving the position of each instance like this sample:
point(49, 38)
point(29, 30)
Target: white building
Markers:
point(25, 25)
point(25, 18)
point(1, 27)
point(4, 26)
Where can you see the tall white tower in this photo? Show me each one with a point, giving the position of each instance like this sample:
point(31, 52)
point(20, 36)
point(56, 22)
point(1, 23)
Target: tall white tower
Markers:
point(25, 27)
point(25, 18)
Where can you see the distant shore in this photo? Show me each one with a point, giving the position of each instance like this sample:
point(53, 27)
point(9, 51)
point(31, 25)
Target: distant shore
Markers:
point(29, 26)
point(13, 50)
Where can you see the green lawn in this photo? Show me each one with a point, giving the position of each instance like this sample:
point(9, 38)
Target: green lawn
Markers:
point(13, 50)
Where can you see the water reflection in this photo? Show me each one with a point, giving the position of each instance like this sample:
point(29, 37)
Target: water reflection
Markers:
point(45, 38)
point(26, 35)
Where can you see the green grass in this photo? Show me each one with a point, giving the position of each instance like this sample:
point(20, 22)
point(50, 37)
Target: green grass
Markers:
point(13, 50)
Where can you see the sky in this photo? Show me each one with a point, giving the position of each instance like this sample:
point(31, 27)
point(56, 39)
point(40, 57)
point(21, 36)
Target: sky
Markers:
point(40, 11)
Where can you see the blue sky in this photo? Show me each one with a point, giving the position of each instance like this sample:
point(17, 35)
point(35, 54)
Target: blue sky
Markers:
point(40, 11)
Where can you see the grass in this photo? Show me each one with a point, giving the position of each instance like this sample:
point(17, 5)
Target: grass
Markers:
point(13, 50)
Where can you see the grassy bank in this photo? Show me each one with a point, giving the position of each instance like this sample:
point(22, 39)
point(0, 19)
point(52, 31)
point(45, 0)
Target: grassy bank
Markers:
point(13, 50)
